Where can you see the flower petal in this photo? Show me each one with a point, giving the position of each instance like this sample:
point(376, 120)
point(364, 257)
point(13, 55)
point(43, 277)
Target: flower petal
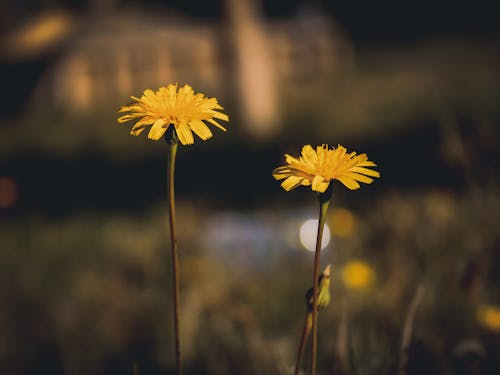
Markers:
point(281, 172)
point(200, 129)
point(317, 183)
point(136, 130)
point(290, 159)
point(349, 182)
point(291, 183)
point(215, 123)
point(367, 163)
point(157, 130)
point(360, 177)
point(185, 134)
point(320, 187)
point(220, 115)
point(366, 171)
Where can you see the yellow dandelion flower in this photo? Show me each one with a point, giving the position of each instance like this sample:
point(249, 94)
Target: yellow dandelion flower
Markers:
point(182, 108)
point(357, 274)
point(316, 168)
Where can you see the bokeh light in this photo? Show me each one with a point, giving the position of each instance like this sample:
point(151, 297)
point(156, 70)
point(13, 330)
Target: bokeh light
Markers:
point(489, 317)
point(308, 232)
point(40, 33)
point(9, 192)
point(357, 275)
point(343, 222)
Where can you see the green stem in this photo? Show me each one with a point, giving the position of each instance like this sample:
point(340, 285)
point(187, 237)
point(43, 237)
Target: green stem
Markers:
point(324, 201)
point(175, 259)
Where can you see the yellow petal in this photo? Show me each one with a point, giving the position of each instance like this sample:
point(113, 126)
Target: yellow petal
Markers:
point(309, 153)
point(220, 115)
point(186, 90)
point(125, 109)
point(291, 183)
point(366, 163)
point(215, 123)
point(360, 178)
point(366, 171)
point(316, 182)
point(157, 130)
point(200, 129)
point(138, 128)
point(128, 117)
point(125, 118)
point(290, 159)
point(149, 96)
point(321, 187)
point(141, 124)
point(349, 182)
point(136, 131)
point(281, 172)
point(185, 134)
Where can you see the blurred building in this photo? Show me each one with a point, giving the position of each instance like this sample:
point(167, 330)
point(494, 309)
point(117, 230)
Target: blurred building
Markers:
point(246, 60)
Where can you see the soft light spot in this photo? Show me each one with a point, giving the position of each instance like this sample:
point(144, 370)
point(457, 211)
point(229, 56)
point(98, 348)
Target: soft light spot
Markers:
point(308, 232)
point(343, 222)
point(8, 192)
point(40, 33)
point(489, 317)
point(357, 275)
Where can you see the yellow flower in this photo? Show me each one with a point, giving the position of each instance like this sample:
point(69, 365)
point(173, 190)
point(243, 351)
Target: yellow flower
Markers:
point(182, 108)
point(316, 168)
point(357, 274)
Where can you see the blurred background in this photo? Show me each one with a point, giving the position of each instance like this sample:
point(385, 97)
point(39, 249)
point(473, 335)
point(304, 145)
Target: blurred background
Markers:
point(84, 256)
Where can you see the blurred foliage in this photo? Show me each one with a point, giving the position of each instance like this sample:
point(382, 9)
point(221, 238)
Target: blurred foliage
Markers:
point(91, 293)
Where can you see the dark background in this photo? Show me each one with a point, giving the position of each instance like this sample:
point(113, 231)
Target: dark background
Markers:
point(84, 278)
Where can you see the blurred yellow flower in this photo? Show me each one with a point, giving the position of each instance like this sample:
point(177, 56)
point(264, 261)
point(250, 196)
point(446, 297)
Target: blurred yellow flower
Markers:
point(357, 274)
point(489, 317)
point(316, 168)
point(182, 108)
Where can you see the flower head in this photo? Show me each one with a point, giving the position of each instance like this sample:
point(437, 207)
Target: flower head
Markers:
point(182, 108)
point(316, 168)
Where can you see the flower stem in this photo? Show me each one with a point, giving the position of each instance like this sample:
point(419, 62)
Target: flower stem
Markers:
point(324, 201)
point(175, 259)
point(303, 339)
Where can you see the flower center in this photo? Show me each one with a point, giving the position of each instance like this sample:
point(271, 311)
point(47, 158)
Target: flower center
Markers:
point(171, 119)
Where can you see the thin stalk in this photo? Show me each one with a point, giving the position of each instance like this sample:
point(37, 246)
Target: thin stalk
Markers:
point(323, 208)
point(303, 339)
point(408, 329)
point(175, 258)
